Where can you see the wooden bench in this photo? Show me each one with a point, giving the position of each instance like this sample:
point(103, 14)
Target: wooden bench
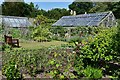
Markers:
point(13, 42)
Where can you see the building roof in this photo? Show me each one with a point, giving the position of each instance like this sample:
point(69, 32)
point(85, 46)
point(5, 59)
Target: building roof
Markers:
point(13, 21)
point(92, 19)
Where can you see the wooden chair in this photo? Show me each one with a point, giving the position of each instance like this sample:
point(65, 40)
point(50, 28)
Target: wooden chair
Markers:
point(10, 41)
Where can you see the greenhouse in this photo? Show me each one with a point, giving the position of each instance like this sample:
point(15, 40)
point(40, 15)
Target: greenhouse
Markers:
point(93, 19)
point(13, 22)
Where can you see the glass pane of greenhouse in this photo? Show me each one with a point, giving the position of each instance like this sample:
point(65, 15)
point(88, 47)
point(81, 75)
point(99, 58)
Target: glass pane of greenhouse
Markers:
point(81, 20)
point(12, 21)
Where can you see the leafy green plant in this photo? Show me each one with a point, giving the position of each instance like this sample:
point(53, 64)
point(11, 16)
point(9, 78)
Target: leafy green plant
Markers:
point(11, 71)
point(60, 63)
point(90, 72)
point(98, 50)
point(48, 60)
point(101, 46)
point(6, 47)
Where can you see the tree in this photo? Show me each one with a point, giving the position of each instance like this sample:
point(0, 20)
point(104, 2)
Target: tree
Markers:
point(42, 12)
point(116, 9)
point(99, 7)
point(18, 9)
point(57, 13)
point(81, 7)
point(107, 6)
point(40, 19)
point(42, 31)
point(32, 10)
point(93, 7)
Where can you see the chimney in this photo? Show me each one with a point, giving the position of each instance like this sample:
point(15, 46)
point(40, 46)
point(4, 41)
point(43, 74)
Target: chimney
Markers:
point(74, 13)
point(71, 12)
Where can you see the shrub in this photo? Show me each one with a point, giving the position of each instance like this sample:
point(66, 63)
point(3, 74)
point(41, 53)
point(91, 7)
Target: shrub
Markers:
point(41, 33)
point(101, 46)
point(102, 49)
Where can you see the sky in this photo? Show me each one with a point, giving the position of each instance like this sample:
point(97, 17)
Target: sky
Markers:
point(48, 4)
point(51, 5)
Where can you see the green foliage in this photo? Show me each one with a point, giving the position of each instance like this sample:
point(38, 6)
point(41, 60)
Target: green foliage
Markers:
point(15, 33)
point(98, 51)
point(11, 71)
point(29, 61)
point(81, 7)
point(1, 29)
point(41, 33)
point(115, 8)
point(84, 34)
point(90, 72)
point(60, 64)
point(6, 47)
point(28, 33)
point(75, 39)
point(118, 21)
point(101, 47)
point(40, 19)
point(99, 7)
point(21, 33)
point(18, 9)
point(116, 42)
point(55, 61)
point(1, 33)
point(70, 45)
point(57, 13)
point(59, 30)
point(31, 10)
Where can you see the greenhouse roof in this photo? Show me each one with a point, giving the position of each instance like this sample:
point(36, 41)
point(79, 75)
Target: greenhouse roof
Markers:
point(12, 21)
point(92, 19)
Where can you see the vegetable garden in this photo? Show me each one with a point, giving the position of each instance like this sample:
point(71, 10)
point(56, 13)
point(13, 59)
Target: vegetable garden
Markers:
point(91, 52)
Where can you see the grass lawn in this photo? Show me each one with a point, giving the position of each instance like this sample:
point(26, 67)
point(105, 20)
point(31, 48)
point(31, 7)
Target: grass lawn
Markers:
point(37, 45)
